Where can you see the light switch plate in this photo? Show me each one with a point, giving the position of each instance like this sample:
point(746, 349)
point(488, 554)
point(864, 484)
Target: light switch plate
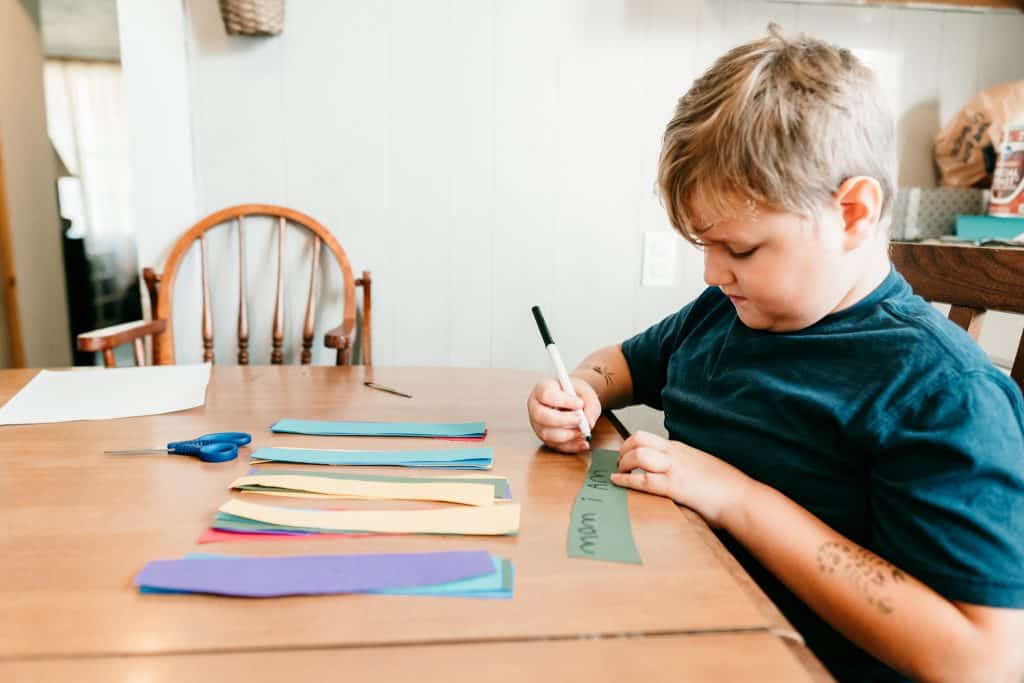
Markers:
point(659, 266)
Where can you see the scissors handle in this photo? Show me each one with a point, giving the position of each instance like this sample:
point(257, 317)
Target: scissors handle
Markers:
point(216, 447)
point(237, 438)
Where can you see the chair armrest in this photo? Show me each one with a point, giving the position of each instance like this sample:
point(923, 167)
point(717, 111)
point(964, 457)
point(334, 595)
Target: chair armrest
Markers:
point(342, 336)
point(110, 337)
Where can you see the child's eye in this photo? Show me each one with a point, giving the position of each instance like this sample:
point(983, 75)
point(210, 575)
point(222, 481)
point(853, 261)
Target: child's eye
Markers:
point(742, 254)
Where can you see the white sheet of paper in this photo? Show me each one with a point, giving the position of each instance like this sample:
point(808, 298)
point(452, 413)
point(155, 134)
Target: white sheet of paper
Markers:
point(104, 394)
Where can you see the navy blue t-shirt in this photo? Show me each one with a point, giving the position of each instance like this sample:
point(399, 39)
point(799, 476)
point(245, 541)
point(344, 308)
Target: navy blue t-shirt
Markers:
point(884, 420)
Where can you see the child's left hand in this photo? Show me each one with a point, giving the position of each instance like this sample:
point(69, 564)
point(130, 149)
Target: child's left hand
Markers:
point(700, 481)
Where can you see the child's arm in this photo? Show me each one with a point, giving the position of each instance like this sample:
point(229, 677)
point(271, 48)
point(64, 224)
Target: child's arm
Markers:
point(602, 379)
point(607, 373)
point(887, 612)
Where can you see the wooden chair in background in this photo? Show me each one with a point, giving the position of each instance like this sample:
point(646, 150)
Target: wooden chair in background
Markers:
point(971, 279)
point(161, 294)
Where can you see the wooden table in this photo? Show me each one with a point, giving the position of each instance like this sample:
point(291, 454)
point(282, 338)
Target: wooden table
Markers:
point(78, 525)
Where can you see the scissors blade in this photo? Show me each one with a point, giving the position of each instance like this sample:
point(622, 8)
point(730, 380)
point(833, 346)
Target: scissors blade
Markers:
point(138, 451)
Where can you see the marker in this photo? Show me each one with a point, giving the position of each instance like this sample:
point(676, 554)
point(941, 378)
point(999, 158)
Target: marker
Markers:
point(556, 359)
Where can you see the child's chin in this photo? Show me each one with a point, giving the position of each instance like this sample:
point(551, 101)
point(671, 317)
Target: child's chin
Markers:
point(753, 320)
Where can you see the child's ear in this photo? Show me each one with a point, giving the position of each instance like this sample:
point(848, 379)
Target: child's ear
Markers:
point(859, 200)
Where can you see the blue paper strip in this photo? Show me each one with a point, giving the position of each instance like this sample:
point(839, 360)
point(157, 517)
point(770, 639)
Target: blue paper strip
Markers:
point(424, 429)
point(453, 458)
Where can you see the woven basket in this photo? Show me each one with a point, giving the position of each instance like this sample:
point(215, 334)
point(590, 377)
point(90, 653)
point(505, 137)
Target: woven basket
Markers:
point(252, 17)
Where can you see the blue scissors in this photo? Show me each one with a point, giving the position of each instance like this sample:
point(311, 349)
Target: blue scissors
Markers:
point(216, 447)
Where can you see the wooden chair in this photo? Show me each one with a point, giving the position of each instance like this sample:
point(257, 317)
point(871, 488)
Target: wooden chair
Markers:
point(972, 279)
point(161, 295)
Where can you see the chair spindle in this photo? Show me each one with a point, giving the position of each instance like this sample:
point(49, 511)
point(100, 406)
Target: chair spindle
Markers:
point(970, 319)
point(140, 352)
point(1017, 373)
point(275, 354)
point(310, 323)
point(367, 319)
point(207, 314)
point(243, 301)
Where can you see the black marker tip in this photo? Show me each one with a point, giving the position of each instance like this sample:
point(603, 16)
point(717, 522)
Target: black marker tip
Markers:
point(542, 326)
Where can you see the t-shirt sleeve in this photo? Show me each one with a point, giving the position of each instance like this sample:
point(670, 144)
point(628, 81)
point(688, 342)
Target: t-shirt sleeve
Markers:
point(947, 490)
point(647, 355)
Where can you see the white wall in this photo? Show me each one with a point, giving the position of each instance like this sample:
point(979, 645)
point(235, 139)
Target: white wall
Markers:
point(30, 174)
point(479, 156)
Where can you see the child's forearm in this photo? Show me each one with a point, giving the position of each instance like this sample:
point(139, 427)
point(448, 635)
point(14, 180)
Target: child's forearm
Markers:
point(876, 605)
point(607, 372)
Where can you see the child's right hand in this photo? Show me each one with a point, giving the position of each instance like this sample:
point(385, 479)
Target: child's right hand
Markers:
point(553, 414)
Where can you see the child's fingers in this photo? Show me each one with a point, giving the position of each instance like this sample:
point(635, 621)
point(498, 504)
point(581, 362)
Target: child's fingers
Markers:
point(554, 436)
point(642, 480)
point(550, 394)
point(577, 446)
point(649, 459)
point(640, 439)
point(543, 416)
point(592, 409)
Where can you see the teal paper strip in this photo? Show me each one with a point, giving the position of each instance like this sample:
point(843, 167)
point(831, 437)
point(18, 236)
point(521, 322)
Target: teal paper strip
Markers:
point(453, 458)
point(425, 429)
point(500, 485)
point(499, 585)
point(599, 527)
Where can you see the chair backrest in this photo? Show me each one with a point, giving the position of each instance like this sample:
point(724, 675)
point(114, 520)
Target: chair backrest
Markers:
point(971, 279)
point(162, 297)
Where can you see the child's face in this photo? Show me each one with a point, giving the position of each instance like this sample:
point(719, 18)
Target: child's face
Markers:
point(780, 271)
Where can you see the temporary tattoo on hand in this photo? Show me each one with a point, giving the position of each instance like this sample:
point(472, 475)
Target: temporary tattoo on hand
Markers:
point(604, 372)
point(867, 572)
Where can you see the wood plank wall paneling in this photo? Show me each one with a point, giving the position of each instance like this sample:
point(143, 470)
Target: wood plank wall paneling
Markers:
point(484, 156)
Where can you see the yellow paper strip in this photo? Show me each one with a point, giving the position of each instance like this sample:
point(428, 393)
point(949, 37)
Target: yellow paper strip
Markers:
point(445, 492)
point(494, 520)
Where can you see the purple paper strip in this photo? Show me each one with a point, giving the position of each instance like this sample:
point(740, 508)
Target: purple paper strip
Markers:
point(265, 577)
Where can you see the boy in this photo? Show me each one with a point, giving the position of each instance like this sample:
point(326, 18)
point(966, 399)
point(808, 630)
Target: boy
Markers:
point(856, 451)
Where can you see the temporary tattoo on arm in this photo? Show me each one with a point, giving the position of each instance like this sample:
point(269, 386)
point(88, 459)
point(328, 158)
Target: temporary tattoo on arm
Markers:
point(867, 572)
point(603, 372)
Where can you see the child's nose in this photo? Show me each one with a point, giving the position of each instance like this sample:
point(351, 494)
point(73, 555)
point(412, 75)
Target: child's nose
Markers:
point(716, 270)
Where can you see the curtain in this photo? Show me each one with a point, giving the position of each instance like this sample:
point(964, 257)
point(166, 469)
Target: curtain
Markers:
point(86, 119)
point(87, 124)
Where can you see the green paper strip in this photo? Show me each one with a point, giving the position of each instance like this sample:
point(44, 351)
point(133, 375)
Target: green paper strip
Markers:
point(448, 458)
point(599, 526)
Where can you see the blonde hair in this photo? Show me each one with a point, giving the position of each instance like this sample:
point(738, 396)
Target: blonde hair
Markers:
point(776, 122)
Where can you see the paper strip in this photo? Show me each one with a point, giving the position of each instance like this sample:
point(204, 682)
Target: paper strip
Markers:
point(599, 527)
point(421, 429)
point(262, 577)
point(497, 585)
point(465, 493)
point(500, 484)
point(501, 487)
point(453, 458)
point(220, 536)
point(241, 525)
point(486, 521)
